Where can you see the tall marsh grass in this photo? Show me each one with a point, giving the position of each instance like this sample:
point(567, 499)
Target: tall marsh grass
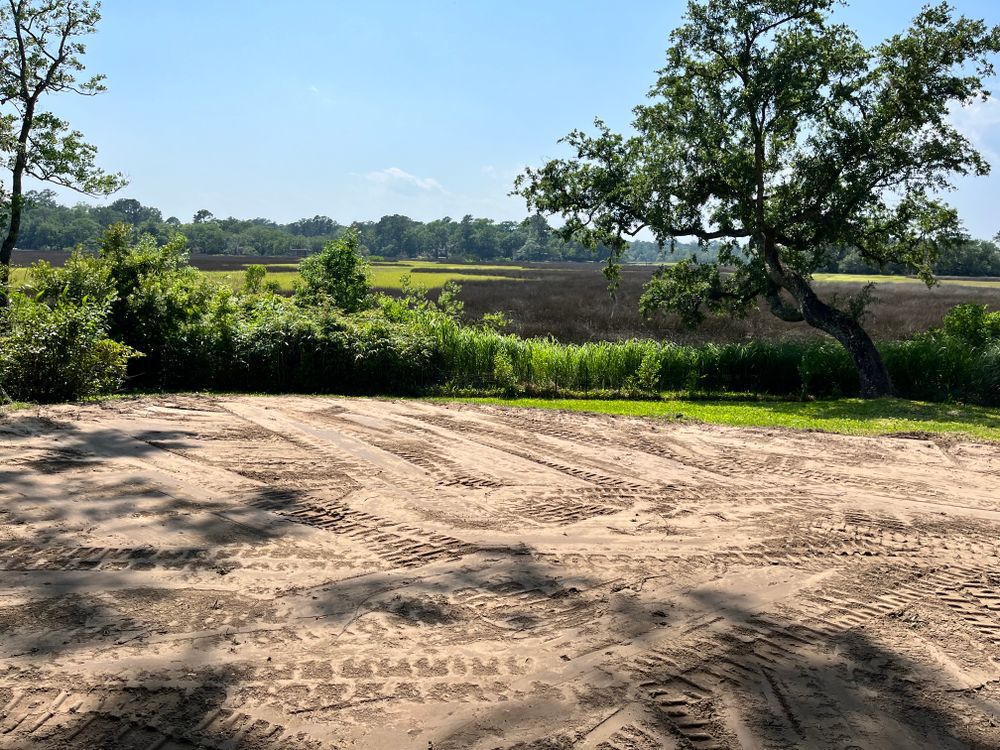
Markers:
point(933, 368)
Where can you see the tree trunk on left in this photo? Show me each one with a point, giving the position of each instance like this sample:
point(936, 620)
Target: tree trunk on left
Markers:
point(16, 204)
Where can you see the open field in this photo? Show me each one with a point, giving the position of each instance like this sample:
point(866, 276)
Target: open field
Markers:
point(274, 573)
point(858, 278)
point(570, 301)
point(386, 276)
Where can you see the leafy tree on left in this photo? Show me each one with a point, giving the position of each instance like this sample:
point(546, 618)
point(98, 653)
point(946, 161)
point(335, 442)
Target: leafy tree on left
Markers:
point(41, 54)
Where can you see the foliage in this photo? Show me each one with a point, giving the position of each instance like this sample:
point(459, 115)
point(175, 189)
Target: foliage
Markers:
point(58, 350)
point(934, 367)
point(959, 258)
point(647, 377)
point(255, 280)
point(81, 276)
point(777, 133)
point(503, 373)
point(826, 371)
point(337, 275)
point(41, 53)
point(496, 321)
point(46, 225)
point(200, 334)
point(974, 325)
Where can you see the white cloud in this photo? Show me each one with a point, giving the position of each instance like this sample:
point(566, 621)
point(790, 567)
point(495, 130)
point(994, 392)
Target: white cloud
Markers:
point(394, 176)
point(979, 121)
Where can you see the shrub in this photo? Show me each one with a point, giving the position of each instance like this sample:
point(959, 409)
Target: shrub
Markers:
point(82, 276)
point(59, 351)
point(972, 324)
point(826, 370)
point(59, 340)
point(647, 377)
point(337, 275)
point(503, 373)
point(255, 280)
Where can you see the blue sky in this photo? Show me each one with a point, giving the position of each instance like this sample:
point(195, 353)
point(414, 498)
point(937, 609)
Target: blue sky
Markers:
point(359, 109)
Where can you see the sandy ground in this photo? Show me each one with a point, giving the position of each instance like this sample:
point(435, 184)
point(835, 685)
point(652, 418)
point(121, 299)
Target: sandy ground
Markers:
point(330, 573)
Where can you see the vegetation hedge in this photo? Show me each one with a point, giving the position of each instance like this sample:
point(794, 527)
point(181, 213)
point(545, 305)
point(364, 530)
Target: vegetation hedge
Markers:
point(78, 331)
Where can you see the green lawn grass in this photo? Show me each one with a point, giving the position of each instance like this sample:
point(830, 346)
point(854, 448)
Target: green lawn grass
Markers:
point(847, 416)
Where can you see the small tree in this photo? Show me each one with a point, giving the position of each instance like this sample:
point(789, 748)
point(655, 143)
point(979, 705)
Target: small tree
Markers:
point(337, 275)
point(779, 134)
point(40, 52)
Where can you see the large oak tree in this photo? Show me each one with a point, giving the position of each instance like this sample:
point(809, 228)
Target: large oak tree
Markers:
point(40, 54)
point(777, 133)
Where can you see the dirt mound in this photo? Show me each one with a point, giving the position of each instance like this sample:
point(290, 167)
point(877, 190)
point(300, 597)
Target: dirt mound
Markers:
point(325, 573)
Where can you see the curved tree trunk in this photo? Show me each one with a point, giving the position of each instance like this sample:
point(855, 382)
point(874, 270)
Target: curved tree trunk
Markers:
point(872, 373)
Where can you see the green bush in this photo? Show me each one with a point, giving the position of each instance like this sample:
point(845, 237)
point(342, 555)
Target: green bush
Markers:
point(337, 275)
point(975, 325)
point(935, 367)
point(826, 370)
point(82, 276)
point(59, 351)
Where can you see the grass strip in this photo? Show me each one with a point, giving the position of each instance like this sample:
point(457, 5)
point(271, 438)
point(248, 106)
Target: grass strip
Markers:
point(849, 416)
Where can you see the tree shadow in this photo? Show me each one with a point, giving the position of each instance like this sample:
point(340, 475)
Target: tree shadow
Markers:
point(752, 674)
point(69, 602)
point(111, 604)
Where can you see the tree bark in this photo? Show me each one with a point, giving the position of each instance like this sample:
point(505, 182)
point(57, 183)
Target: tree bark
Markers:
point(14, 228)
point(872, 374)
point(16, 203)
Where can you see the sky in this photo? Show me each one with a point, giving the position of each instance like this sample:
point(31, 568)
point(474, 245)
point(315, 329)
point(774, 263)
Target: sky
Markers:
point(354, 109)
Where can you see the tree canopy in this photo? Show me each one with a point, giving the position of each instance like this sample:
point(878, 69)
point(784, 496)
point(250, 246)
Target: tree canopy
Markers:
point(777, 133)
point(40, 54)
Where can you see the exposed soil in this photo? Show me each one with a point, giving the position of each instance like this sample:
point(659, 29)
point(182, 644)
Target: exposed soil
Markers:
point(274, 573)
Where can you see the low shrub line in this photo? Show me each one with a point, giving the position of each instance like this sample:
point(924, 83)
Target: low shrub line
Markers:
point(138, 314)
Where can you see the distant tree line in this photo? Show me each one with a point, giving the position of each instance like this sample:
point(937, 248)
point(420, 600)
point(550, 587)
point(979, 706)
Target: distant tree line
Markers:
point(47, 225)
point(968, 258)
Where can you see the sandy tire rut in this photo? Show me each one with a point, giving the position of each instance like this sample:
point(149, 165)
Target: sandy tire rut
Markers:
point(290, 572)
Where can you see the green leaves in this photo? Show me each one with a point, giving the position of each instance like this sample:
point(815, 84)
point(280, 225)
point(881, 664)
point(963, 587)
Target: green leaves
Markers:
point(58, 349)
point(683, 288)
point(58, 154)
point(336, 275)
point(774, 128)
point(40, 54)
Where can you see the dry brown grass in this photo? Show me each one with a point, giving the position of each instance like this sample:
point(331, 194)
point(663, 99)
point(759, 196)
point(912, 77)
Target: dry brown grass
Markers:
point(571, 303)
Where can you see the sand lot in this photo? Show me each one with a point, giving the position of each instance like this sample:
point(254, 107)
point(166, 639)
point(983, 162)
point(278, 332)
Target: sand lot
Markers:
point(195, 572)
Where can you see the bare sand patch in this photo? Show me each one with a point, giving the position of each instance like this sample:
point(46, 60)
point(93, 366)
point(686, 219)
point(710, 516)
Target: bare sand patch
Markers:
point(191, 572)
